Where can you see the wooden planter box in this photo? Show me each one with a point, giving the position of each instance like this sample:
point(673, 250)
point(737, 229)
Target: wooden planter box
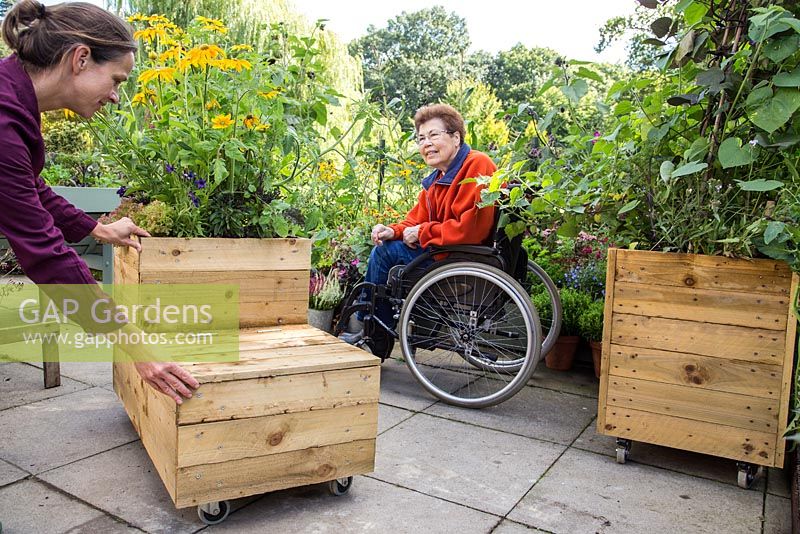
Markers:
point(299, 407)
point(698, 353)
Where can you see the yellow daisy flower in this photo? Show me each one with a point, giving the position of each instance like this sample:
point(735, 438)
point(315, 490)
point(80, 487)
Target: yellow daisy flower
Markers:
point(262, 127)
point(211, 104)
point(151, 34)
point(200, 56)
point(270, 94)
point(241, 47)
point(137, 17)
point(231, 64)
point(251, 121)
point(164, 74)
point(173, 54)
point(220, 122)
point(212, 24)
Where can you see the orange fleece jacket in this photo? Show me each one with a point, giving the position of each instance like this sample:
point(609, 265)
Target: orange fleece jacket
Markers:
point(448, 214)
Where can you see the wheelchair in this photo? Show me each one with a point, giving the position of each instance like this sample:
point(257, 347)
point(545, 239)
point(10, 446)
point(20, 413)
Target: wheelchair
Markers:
point(466, 325)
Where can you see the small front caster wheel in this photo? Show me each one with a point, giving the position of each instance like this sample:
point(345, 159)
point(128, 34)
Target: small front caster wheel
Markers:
point(747, 474)
point(340, 486)
point(213, 513)
point(623, 450)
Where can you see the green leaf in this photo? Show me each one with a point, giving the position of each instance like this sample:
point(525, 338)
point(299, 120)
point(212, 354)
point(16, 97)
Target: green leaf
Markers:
point(649, 4)
point(694, 14)
point(758, 96)
point(568, 228)
point(220, 170)
point(777, 111)
point(685, 46)
point(623, 107)
point(666, 170)
point(698, 150)
point(689, 168)
point(682, 5)
point(711, 78)
point(780, 48)
point(628, 207)
point(583, 72)
point(575, 90)
point(733, 154)
point(759, 185)
point(773, 229)
point(788, 79)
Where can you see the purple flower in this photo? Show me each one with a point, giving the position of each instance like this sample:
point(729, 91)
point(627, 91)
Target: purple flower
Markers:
point(596, 136)
point(200, 183)
point(121, 191)
point(355, 262)
point(189, 175)
point(195, 200)
point(169, 168)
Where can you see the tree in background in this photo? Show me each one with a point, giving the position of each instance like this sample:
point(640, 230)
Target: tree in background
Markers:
point(516, 75)
point(414, 57)
point(481, 110)
point(5, 5)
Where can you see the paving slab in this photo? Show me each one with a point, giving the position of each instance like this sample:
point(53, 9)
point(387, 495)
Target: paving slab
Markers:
point(21, 383)
point(370, 506)
point(510, 527)
point(10, 473)
point(30, 507)
point(690, 463)
point(533, 412)
point(105, 525)
point(777, 515)
point(124, 483)
point(94, 373)
point(779, 483)
point(54, 432)
point(588, 492)
point(389, 416)
point(399, 388)
point(577, 381)
point(478, 467)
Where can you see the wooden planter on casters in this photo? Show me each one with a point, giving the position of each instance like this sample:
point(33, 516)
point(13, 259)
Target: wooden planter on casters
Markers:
point(697, 355)
point(299, 407)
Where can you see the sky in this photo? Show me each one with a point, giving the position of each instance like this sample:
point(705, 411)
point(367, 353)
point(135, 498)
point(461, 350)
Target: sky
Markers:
point(571, 27)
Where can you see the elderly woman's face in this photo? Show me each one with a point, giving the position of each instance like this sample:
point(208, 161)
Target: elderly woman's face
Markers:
point(437, 145)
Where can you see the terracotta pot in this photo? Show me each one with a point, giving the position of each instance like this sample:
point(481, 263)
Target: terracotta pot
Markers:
point(597, 353)
point(562, 354)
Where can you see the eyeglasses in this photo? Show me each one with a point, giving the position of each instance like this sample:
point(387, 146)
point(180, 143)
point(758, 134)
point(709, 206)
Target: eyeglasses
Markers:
point(433, 136)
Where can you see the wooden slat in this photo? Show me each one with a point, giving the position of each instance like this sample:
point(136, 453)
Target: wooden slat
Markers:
point(154, 417)
point(703, 272)
point(788, 372)
point(730, 409)
point(252, 476)
point(717, 374)
point(703, 305)
point(256, 397)
point(732, 342)
point(707, 438)
point(277, 362)
point(607, 315)
point(259, 436)
point(126, 265)
point(211, 254)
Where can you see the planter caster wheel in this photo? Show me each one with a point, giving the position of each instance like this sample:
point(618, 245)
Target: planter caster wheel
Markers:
point(623, 450)
point(340, 486)
point(747, 474)
point(214, 513)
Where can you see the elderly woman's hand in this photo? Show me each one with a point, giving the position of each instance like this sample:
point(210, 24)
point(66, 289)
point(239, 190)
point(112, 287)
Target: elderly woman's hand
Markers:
point(411, 236)
point(119, 233)
point(381, 233)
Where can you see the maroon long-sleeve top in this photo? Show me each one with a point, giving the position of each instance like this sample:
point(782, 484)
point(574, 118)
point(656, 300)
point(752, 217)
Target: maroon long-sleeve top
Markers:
point(36, 221)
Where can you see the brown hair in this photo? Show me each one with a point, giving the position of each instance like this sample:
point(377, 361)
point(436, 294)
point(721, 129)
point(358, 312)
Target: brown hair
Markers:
point(41, 36)
point(451, 118)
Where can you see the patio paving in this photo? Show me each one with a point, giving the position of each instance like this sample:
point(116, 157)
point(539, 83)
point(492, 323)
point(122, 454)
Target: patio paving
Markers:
point(71, 462)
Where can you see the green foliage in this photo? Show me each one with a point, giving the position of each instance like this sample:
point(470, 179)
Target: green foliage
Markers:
point(590, 323)
point(574, 304)
point(215, 131)
point(480, 108)
point(701, 158)
point(517, 75)
point(413, 57)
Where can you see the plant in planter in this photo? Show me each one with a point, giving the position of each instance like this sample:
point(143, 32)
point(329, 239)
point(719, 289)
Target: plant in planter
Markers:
point(590, 324)
point(217, 131)
point(573, 303)
point(324, 295)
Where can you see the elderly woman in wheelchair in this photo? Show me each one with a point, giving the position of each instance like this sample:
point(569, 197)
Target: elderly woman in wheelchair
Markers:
point(456, 287)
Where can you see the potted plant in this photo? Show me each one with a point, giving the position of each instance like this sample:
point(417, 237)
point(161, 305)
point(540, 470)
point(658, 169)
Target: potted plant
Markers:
point(324, 294)
point(573, 302)
point(590, 324)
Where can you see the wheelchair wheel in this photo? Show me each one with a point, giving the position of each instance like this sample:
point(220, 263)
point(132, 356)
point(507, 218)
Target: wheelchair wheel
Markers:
point(470, 335)
point(550, 318)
